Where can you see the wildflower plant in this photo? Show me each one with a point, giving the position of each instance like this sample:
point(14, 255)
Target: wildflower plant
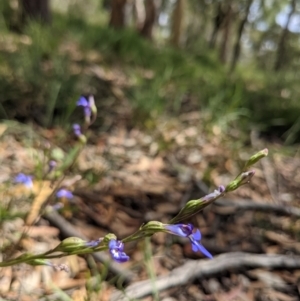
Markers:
point(78, 246)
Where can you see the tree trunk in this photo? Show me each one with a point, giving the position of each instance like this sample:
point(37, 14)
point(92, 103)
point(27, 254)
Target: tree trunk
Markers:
point(218, 22)
point(36, 10)
point(117, 15)
point(237, 46)
point(147, 28)
point(282, 40)
point(150, 18)
point(177, 20)
point(226, 31)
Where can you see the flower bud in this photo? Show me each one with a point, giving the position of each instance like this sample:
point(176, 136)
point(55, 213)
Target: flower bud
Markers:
point(242, 179)
point(255, 158)
point(71, 244)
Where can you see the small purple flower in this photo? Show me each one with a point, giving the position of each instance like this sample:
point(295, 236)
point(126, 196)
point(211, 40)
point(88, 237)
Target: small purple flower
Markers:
point(187, 231)
point(77, 130)
point(83, 102)
point(24, 179)
point(64, 193)
point(116, 248)
point(52, 164)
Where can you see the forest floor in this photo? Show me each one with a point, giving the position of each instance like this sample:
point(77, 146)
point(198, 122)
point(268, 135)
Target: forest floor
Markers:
point(126, 177)
point(129, 174)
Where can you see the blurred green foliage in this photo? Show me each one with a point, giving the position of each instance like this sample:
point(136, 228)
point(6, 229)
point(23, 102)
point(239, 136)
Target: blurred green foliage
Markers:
point(44, 69)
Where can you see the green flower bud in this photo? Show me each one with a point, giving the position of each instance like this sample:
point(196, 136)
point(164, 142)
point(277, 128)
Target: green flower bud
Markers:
point(109, 237)
point(58, 267)
point(152, 227)
point(194, 206)
point(255, 158)
point(70, 244)
point(242, 179)
point(92, 104)
point(82, 139)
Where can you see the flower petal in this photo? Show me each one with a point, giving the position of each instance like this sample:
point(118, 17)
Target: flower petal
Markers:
point(196, 246)
point(64, 193)
point(119, 256)
point(197, 235)
point(20, 178)
point(112, 244)
point(82, 102)
point(204, 251)
point(180, 229)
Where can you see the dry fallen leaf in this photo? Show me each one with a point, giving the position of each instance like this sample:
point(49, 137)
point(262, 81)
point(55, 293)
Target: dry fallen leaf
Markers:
point(42, 191)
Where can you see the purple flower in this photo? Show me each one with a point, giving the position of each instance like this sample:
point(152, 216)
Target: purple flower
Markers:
point(52, 164)
point(116, 248)
point(187, 231)
point(77, 130)
point(64, 193)
point(83, 102)
point(24, 179)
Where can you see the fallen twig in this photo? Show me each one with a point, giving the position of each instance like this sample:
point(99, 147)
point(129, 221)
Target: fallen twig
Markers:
point(266, 207)
point(193, 269)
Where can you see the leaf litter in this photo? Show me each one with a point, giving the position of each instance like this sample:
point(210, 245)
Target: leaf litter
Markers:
point(140, 175)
